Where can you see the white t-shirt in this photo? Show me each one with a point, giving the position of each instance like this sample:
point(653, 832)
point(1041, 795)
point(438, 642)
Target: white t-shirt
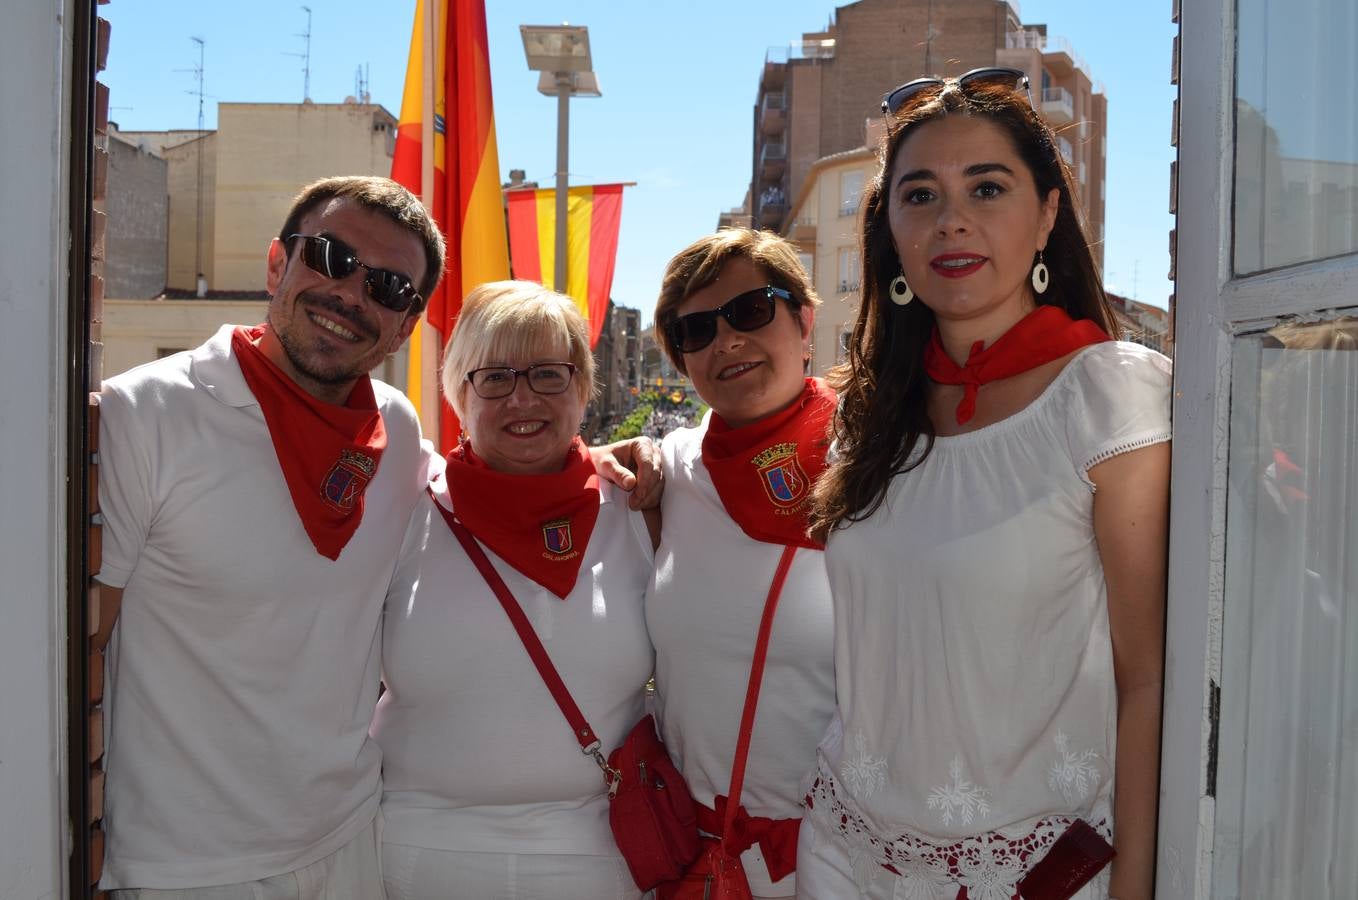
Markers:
point(477, 755)
point(974, 663)
point(703, 610)
point(244, 668)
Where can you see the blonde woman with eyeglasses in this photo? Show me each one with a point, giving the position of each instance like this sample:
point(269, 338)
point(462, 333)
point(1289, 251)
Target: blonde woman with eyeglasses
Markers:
point(486, 790)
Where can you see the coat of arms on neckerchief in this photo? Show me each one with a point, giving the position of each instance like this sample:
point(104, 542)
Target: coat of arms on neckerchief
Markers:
point(556, 536)
point(347, 479)
point(782, 474)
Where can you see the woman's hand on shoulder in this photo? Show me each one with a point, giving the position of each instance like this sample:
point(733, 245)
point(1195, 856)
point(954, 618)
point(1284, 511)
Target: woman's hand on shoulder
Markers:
point(634, 466)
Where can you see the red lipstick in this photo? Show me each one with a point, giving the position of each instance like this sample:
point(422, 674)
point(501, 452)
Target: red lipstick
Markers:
point(957, 265)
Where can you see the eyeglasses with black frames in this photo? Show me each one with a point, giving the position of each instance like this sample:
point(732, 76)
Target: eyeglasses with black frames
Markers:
point(494, 382)
point(335, 259)
point(999, 76)
point(749, 311)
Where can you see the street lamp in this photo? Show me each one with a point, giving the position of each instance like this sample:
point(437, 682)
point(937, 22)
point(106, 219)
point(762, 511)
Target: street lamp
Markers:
point(561, 54)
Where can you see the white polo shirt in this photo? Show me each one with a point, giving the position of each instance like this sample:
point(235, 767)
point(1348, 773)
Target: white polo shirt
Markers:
point(477, 755)
point(244, 669)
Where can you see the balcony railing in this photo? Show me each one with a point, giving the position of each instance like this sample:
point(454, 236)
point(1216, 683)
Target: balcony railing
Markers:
point(821, 48)
point(773, 154)
point(1058, 106)
point(775, 101)
point(1067, 152)
point(1027, 39)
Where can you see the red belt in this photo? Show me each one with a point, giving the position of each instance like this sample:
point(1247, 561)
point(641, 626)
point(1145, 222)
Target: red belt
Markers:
point(777, 838)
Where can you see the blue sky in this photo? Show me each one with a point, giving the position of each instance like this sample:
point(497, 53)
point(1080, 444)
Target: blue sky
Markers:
point(678, 84)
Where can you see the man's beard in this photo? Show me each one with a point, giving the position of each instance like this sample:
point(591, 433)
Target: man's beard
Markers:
point(305, 362)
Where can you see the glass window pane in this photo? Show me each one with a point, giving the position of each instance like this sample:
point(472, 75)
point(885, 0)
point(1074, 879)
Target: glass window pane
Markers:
point(1296, 163)
point(1287, 777)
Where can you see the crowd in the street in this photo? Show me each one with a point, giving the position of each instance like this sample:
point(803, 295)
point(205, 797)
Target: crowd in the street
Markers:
point(663, 420)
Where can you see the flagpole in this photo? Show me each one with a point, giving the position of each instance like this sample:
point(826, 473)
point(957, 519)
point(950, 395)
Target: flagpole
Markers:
point(429, 336)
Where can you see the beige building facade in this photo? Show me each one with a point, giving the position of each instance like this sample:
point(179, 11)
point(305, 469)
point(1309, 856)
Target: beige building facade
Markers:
point(141, 331)
point(230, 189)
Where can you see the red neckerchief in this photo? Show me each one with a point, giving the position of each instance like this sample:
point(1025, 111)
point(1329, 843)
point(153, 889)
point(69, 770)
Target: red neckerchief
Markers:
point(539, 524)
point(1043, 335)
point(328, 453)
point(763, 472)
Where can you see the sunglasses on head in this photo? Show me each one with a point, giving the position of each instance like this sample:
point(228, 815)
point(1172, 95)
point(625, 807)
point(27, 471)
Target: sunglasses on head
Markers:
point(997, 76)
point(749, 311)
point(335, 259)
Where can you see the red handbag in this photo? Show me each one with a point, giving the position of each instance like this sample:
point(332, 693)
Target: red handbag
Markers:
point(650, 809)
point(652, 814)
point(718, 873)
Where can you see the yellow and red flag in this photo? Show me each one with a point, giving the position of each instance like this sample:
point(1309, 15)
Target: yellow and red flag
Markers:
point(593, 214)
point(446, 118)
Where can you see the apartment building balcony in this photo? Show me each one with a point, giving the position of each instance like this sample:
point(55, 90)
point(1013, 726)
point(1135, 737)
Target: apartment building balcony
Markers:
point(771, 215)
point(1027, 39)
point(814, 48)
point(772, 161)
point(1058, 106)
point(1067, 151)
point(773, 114)
point(774, 75)
point(803, 231)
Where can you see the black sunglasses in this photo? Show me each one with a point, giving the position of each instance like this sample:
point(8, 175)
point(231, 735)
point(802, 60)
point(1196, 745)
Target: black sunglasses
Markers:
point(999, 76)
point(744, 312)
point(335, 259)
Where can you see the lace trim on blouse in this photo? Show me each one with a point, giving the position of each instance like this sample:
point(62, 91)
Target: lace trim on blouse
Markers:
point(1117, 450)
point(987, 866)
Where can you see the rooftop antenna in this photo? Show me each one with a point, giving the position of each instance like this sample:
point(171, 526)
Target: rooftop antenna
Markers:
point(361, 84)
point(306, 57)
point(200, 283)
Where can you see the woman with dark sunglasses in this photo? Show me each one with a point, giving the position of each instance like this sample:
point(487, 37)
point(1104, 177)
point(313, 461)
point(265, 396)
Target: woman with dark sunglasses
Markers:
point(997, 529)
point(486, 790)
point(735, 315)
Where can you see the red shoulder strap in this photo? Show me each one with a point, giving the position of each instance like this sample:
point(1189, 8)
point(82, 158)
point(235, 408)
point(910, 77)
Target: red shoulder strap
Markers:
point(589, 743)
point(761, 652)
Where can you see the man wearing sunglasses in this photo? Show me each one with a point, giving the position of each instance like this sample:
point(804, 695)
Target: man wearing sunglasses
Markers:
point(254, 493)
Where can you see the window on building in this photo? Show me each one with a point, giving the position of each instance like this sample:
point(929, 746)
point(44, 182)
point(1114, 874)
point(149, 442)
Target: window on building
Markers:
point(842, 345)
point(850, 192)
point(808, 261)
point(848, 270)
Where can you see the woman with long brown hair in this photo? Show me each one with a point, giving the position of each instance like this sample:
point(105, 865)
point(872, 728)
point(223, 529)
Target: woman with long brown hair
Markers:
point(997, 532)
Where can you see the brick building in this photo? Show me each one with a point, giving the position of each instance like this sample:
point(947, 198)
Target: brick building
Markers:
point(138, 219)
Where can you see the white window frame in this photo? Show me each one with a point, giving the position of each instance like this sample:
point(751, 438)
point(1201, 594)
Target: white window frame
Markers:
point(1213, 307)
point(849, 201)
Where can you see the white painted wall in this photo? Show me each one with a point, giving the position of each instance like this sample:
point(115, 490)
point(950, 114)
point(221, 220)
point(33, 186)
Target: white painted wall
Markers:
point(34, 99)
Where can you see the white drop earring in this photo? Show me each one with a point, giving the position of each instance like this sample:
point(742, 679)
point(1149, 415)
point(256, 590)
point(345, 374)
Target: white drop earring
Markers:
point(1041, 277)
point(900, 291)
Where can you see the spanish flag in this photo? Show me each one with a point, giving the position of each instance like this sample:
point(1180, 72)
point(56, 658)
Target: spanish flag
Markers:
point(593, 214)
point(445, 154)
